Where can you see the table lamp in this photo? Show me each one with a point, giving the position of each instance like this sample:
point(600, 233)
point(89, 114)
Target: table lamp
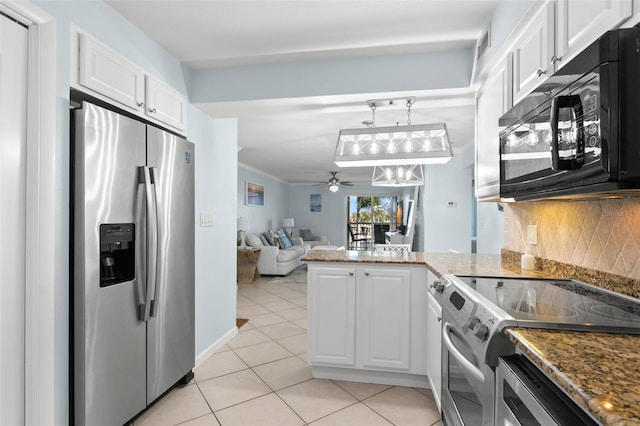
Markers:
point(288, 223)
point(243, 225)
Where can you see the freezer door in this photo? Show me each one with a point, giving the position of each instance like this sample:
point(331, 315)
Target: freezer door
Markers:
point(171, 326)
point(109, 339)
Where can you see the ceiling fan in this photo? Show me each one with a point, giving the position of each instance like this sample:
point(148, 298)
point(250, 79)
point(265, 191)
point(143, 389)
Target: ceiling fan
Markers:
point(335, 183)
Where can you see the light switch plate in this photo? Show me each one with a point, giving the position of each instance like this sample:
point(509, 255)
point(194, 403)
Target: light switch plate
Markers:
point(206, 219)
point(532, 235)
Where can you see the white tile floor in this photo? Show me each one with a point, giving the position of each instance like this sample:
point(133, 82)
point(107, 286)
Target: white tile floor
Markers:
point(262, 378)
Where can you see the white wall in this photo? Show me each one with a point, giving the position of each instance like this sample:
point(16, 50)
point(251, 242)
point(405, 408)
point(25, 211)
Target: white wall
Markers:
point(276, 201)
point(505, 18)
point(331, 221)
point(444, 227)
point(216, 300)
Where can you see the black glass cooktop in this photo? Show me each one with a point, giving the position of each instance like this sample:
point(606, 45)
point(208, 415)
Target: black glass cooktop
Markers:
point(566, 303)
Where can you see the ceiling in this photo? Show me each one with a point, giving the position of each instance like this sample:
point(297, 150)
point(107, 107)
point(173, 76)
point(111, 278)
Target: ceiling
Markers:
point(294, 139)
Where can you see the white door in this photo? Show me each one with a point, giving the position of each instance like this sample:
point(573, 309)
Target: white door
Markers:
point(384, 315)
point(13, 125)
point(580, 22)
point(332, 315)
point(532, 53)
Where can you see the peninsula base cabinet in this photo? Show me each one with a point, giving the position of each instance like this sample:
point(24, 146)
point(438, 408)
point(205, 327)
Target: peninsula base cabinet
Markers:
point(368, 323)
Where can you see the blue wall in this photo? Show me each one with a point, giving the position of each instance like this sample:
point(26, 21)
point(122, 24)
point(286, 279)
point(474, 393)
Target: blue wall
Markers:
point(447, 227)
point(276, 201)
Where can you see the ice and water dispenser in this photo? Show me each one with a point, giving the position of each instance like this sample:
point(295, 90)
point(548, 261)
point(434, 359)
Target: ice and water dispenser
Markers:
point(117, 253)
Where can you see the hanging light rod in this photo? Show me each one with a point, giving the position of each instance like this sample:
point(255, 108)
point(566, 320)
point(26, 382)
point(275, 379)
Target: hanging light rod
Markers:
point(377, 103)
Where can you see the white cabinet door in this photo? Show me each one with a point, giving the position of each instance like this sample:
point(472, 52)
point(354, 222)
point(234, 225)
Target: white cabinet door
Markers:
point(580, 22)
point(384, 315)
point(109, 74)
point(532, 53)
point(331, 315)
point(434, 347)
point(493, 100)
point(165, 104)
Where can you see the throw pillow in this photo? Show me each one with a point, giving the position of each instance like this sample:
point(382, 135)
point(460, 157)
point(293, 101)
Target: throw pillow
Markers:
point(253, 240)
point(284, 240)
point(274, 237)
point(306, 234)
point(267, 236)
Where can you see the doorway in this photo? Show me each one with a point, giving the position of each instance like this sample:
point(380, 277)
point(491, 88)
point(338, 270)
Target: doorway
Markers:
point(13, 181)
point(368, 219)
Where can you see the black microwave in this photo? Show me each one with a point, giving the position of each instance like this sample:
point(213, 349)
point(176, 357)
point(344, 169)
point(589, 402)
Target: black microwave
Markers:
point(577, 135)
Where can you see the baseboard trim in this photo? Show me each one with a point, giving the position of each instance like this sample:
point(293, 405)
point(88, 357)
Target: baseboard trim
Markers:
point(371, 376)
point(226, 338)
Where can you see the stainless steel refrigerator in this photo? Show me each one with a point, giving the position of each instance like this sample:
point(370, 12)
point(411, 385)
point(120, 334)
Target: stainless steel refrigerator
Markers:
point(133, 264)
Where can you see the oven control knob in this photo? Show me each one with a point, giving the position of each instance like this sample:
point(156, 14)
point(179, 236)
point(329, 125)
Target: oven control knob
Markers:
point(481, 331)
point(438, 286)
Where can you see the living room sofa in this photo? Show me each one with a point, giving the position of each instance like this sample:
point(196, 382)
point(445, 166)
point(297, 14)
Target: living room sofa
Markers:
point(277, 261)
point(313, 239)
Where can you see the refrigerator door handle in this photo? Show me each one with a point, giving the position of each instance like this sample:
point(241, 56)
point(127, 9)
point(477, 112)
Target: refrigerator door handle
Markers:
point(154, 253)
point(152, 240)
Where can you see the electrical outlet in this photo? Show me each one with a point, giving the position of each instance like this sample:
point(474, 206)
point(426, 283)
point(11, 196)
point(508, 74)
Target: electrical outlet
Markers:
point(532, 235)
point(206, 219)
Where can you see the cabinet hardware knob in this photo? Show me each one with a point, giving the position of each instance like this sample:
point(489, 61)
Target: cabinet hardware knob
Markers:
point(351, 274)
point(140, 104)
point(366, 274)
point(555, 59)
point(540, 71)
point(439, 319)
point(153, 110)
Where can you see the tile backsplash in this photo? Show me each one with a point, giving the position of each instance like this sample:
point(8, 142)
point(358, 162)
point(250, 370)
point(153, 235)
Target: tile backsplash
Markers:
point(603, 235)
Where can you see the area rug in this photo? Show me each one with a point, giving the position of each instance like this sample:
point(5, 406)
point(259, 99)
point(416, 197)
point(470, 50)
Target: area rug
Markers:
point(241, 321)
point(297, 276)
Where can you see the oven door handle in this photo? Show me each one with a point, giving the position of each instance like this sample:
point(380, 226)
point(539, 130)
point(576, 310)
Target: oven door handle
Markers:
point(464, 362)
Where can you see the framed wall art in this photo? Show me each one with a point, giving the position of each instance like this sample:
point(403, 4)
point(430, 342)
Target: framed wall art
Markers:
point(254, 195)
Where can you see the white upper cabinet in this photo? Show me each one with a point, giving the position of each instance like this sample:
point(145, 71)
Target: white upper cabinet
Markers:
point(110, 74)
point(580, 22)
point(493, 100)
point(107, 75)
point(532, 51)
point(165, 104)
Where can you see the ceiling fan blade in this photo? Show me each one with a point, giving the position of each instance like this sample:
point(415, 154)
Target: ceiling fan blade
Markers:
point(346, 183)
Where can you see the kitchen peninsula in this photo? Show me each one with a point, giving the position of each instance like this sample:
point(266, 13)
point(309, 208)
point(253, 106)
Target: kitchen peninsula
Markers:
point(360, 332)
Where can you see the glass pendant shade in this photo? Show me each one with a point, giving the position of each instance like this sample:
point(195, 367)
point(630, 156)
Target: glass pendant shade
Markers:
point(405, 175)
point(396, 145)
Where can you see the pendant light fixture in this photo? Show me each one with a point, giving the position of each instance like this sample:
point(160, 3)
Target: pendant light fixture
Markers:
point(404, 175)
point(393, 145)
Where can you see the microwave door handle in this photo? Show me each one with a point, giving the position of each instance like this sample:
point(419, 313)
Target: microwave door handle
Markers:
point(464, 362)
point(575, 103)
point(555, 113)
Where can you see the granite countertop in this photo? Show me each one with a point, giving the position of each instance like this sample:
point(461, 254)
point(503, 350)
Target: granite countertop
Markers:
point(600, 371)
point(439, 263)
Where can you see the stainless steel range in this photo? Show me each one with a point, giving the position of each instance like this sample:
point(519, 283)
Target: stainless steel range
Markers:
point(475, 310)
